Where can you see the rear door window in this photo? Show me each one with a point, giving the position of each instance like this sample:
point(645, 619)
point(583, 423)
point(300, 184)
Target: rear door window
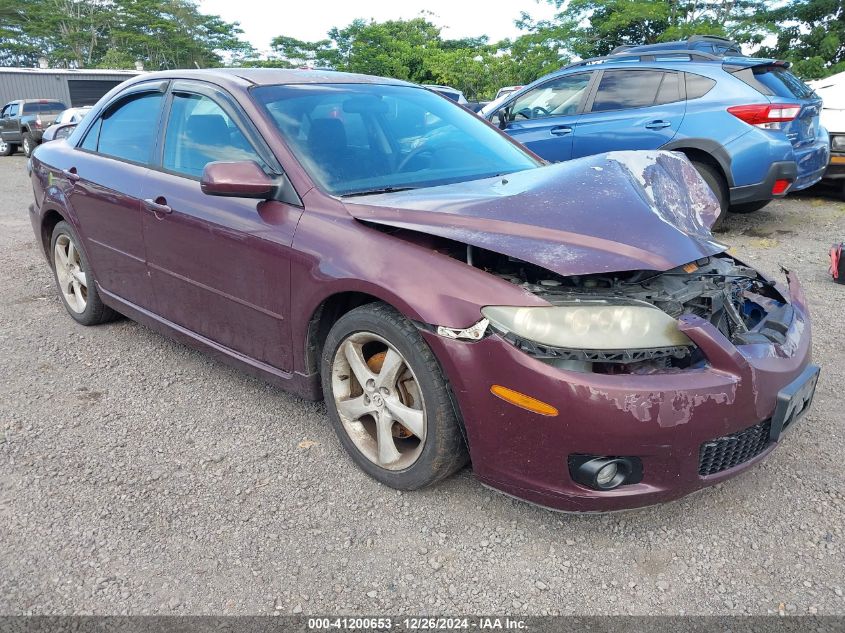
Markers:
point(670, 89)
point(623, 89)
point(128, 130)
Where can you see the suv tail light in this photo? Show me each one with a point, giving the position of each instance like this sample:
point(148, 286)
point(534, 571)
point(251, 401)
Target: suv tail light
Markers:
point(766, 115)
point(38, 123)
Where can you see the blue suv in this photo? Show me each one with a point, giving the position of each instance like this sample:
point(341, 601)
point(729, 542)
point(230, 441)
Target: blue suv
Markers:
point(749, 126)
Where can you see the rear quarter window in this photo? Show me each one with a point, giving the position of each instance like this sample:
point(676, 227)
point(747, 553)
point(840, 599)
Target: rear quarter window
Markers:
point(698, 86)
point(775, 81)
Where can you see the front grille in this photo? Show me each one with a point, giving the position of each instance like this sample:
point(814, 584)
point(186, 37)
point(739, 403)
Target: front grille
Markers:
point(731, 450)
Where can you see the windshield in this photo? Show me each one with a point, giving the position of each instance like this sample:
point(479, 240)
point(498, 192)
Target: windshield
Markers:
point(356, 138)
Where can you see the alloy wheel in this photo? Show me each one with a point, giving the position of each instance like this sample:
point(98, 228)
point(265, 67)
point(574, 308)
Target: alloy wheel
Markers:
point(3, 147)
point(73, 282)
point(379, 401)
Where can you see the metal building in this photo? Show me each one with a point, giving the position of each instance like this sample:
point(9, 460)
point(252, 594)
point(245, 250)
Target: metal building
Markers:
point(74, 88)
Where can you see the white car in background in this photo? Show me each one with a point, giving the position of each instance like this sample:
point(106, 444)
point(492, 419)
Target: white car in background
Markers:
point(61, 127)
point(832, 92)
point(506, 90)
point(450, 93)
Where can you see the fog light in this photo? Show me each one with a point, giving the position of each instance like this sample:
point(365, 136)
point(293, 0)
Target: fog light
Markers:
point(605, 473)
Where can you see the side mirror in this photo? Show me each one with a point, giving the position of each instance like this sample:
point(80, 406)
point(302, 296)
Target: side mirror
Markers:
point(237, 179)
point(503, 118)
point(55, 132)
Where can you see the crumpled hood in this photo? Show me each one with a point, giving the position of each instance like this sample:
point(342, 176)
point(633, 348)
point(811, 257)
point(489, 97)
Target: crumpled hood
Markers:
point(610, 212)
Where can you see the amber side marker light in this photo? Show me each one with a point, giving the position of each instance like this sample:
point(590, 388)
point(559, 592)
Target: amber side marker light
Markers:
point(522, 401)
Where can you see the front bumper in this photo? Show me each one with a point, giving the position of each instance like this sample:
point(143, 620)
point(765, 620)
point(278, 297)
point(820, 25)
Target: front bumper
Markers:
point(836, 168)
point(661, 418)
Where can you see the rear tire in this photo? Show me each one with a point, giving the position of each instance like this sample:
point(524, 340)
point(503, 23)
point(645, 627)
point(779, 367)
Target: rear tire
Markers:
point(7, 149)
point(75, 280)
point(28, 144)
point(749, 207)
point(718, 186)
point(398, 423)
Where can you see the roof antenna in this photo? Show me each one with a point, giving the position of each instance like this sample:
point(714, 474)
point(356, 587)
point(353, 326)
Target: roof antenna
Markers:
point(197, 65)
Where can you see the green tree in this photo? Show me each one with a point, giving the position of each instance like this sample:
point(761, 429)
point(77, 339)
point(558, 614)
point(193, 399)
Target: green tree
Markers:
point(811, 35)
point(590, 28)
point(85, 33)
point(395, 48)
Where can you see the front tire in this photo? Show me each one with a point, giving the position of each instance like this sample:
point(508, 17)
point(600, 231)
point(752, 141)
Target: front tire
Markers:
point(28, 143)
point(7, 149)
point(75, 280)
point(388, 401)
point(718, 186)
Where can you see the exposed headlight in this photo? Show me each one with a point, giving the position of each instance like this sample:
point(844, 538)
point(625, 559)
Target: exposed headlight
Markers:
point(837, 143)
point(590, 324)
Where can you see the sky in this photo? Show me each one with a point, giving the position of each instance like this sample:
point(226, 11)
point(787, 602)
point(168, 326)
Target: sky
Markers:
point(262, 20)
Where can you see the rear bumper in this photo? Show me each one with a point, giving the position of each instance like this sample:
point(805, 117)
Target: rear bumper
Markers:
point(812, 162)
point(781, 170)
point(663, 418)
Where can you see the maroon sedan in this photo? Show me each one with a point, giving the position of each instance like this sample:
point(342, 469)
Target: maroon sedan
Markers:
point(573, 329)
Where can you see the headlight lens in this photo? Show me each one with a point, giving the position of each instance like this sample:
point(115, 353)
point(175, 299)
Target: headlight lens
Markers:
point(837, 143)
point(591, 324)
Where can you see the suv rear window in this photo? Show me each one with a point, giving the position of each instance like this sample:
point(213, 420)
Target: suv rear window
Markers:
point(775, 81)
point(43, 107)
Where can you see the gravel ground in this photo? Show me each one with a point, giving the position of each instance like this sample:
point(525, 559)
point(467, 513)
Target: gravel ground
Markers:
point(138, 476)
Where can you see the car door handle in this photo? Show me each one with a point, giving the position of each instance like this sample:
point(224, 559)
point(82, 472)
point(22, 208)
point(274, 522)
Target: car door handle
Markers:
point(657, 125)
point(70, 174)
point(159, 205)
point(561, 130)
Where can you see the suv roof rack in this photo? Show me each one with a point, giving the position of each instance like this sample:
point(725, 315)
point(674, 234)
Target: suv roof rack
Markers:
point(719, 38)
point(688, 42)
point(647, 57)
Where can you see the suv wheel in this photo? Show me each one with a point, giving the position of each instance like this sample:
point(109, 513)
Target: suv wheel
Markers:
point(388, 400)
point(718, 186)
point(6, 148)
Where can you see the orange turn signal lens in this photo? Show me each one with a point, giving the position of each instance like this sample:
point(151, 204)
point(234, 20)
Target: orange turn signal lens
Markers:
point(522, 401)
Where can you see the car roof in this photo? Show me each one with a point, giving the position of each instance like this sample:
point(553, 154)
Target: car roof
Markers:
point(271, 76)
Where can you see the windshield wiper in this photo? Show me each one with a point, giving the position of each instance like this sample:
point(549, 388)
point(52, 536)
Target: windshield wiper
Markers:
point(372, 192)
